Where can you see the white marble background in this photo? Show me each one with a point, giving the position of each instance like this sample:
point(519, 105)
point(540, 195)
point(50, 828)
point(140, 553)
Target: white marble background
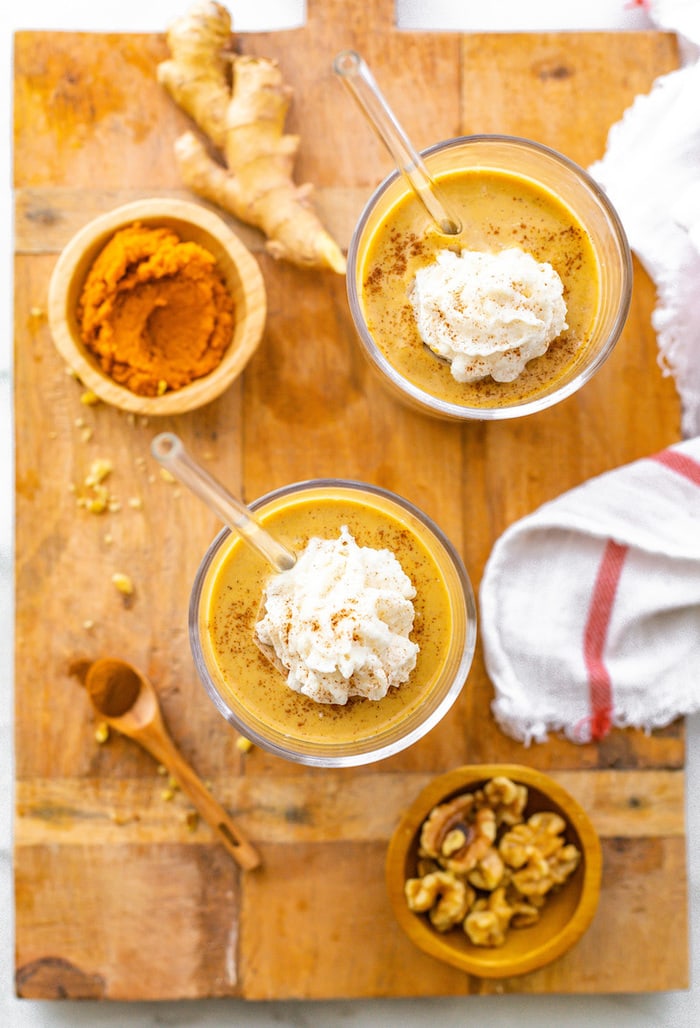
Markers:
point(666, 1010)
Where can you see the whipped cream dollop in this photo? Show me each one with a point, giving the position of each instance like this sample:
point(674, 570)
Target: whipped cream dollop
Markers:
point(488, 313)
point(339, 621)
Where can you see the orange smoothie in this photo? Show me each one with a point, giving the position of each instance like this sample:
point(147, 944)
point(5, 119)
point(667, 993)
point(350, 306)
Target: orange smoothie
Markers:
point(498, 210)
point(257, 696)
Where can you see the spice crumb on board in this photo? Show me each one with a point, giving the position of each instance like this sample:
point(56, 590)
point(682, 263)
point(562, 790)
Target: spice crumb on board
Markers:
point(99, 470)
point(123, 819)
point(98, 503)
point(123, 583)
point(102, 732)
point(172, 787)
point(191, 819)
point(96, 498)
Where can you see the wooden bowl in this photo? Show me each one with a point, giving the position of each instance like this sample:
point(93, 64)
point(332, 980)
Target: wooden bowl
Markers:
point(191, 222)
point(566, 914)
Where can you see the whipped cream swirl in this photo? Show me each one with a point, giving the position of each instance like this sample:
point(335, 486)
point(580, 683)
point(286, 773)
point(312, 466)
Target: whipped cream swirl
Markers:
point(339, 621)
point(488, 313)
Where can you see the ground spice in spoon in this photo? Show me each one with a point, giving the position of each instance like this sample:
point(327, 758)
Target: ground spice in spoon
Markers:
point(114, 690)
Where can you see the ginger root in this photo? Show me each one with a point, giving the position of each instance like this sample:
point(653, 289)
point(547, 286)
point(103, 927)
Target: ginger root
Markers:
point(240, 103)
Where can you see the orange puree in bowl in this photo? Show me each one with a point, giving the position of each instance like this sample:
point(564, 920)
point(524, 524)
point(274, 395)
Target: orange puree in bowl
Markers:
point(155, 311)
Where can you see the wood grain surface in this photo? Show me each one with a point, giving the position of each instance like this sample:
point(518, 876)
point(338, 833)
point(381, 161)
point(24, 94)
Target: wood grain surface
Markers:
point(115, 896)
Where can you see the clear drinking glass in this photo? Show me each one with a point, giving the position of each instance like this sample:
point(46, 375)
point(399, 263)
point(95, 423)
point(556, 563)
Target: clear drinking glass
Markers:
point(574, 189)
point(254, 697)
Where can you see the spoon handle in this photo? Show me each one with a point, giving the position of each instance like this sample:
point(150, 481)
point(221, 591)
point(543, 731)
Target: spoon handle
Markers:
point(354, 72)
point(169, 450)
point(228, 833)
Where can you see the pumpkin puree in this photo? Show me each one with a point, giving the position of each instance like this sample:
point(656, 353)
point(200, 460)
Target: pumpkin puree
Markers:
point(155, 310)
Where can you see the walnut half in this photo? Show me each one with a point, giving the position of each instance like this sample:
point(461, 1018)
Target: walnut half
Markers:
point(446, 898)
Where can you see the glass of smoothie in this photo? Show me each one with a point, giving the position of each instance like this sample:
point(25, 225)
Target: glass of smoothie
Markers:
point(252, 692)
point(416, 292)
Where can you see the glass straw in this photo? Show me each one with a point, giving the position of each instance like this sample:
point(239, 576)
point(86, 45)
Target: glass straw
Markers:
point(169, 451)
point(355, 74)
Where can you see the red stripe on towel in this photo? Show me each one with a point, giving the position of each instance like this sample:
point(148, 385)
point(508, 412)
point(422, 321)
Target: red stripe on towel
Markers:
point(595, 635)
point(681, 463)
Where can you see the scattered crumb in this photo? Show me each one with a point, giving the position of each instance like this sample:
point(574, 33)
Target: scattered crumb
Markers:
point(166, 476)
point(191, 819)
point(162, 387)
point(36, 312)
point(123, 583)
point(135, 502)
point(162, 769)
point(123, 819)
point(99, 470)
point(71, 372)
point(131, 418)
point(97, 498)
point(102, 732)
point(89, 398)
point(86, 434)
point(109, 539)
point(243, 745)
point(97, 503)
point(88, 624)
point(79, 422)
point(172, 787)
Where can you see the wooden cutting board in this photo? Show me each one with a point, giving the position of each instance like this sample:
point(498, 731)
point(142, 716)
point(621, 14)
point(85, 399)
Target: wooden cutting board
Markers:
point(115, 896)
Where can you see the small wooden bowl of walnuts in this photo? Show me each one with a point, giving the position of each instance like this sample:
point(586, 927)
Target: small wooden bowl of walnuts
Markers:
point(495, 869)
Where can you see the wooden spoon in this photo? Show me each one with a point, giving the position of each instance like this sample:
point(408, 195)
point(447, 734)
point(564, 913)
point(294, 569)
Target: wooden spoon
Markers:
point(127, 701)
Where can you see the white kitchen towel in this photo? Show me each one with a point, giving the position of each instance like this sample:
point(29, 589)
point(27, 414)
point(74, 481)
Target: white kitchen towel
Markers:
point(651, 172)
point(590, 606)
